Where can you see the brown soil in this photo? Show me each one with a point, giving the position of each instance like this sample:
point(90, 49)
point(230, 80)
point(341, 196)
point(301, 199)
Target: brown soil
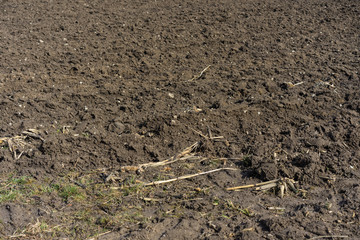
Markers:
point(116, 83)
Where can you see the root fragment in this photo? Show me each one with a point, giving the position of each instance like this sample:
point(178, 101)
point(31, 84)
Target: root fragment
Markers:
point(200, 75)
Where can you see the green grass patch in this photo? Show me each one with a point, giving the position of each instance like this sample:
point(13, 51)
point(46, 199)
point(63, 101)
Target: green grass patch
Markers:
point(81, 205)
point(68, 192)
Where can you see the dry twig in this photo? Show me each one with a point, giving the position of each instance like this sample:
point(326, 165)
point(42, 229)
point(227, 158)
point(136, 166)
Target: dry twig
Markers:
point(17, 144)
point(281, 183)
point(184, 155)
point(293, 85)
point(99, 235)
point(209, 137)
point(252, 185)
point(330, 236)
point(187, 176)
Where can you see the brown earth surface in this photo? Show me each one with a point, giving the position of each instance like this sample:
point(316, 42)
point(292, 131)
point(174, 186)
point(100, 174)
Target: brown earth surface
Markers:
point(109, 84)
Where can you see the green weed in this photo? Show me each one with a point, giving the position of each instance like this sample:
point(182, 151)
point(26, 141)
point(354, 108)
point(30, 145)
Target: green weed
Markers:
point(247, 212)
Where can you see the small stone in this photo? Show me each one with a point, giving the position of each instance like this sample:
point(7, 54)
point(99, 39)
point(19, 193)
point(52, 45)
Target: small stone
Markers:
point(117, 127)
